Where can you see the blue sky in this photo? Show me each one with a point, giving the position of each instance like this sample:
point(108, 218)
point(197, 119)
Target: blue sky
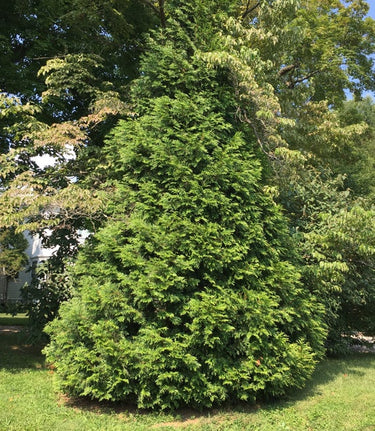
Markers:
point(372, 8)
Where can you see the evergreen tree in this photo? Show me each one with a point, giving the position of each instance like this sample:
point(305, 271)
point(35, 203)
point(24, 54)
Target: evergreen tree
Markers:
point(189, 294)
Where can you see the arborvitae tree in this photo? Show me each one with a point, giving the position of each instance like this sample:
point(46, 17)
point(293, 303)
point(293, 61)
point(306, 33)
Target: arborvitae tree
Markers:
point(189, 294)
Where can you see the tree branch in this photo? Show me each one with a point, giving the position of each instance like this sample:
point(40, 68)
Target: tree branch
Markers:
point(248, 11)
point(153, 7)
point(287, 69)
point(242, 115)
point(48, 58)
point(292, 84)
point(163, 20)
point(159, 11)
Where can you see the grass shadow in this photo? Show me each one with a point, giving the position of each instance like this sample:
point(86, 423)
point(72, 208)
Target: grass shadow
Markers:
point(17, 353)
point(181, 417)
point(329, 369)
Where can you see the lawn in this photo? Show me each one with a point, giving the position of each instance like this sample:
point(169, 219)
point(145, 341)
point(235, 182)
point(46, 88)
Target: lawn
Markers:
point(19, 319)
point(341, 396)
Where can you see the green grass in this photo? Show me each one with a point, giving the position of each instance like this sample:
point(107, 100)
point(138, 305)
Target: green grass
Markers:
point(18, 319)
point(340, 397)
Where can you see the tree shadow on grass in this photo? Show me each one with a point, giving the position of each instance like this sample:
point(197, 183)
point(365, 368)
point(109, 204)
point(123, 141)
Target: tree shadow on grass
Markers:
point(16, 351)
point(329, 369)
point(354, 364)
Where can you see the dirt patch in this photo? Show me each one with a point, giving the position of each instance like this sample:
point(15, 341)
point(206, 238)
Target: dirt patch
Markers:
point(127, 411)
point(180, 424)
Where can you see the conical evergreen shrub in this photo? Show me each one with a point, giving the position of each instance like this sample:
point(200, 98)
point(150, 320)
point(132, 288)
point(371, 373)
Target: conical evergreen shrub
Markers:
point(188, 295)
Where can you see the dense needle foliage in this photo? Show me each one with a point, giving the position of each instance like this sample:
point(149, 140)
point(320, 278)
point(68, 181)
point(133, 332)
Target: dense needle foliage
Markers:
point(188, 295)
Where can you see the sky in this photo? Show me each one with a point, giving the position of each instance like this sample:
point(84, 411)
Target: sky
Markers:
point(372, 8)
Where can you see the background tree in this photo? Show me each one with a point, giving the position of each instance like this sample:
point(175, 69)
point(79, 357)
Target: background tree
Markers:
point(12, 256)
point(319, 50)
point(34, 32)
point(65, 67)
point(65, 70)
point(334, 229)
point(359, 169)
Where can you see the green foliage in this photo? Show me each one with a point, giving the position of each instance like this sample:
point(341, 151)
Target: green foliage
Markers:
point(329, 47)
point(360, 167)
point(50, 286)
point(33, 32)
point(224, 86)
point(336, 238)
point(340, 141)
point(188, 295)
point(12, 253)
point(341, 257)
point(65, 67)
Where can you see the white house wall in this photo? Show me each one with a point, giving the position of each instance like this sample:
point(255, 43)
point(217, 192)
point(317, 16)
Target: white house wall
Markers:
point(36, 254)
point(35, 251)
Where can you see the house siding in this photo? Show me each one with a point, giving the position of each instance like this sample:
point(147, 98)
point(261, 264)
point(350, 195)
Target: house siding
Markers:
point(36, 254)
